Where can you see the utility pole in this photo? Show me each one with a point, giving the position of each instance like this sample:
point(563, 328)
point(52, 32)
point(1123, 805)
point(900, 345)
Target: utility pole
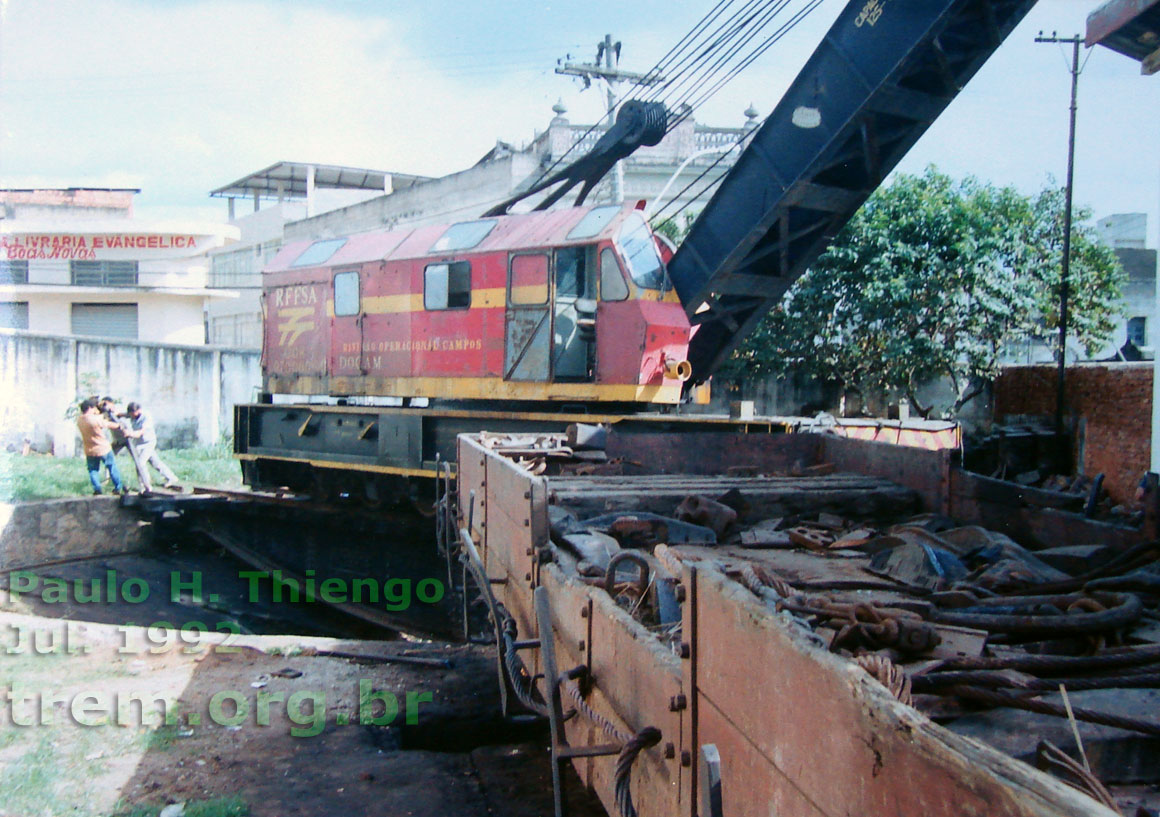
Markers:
point(611, 75)
point(1065, 283)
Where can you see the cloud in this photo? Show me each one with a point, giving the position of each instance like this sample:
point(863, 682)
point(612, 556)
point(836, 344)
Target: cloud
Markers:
point(184, 97)
point(191, 96)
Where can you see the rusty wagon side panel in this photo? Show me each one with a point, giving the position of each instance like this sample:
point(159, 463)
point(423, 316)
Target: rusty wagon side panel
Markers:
point(800, 731)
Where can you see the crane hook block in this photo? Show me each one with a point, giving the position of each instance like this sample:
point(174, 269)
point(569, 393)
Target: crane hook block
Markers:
point(638, 124)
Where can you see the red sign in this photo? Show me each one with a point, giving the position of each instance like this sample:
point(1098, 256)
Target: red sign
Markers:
point(87, 247)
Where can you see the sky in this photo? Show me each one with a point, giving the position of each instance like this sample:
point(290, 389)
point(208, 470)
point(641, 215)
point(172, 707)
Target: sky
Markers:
point(180, 97)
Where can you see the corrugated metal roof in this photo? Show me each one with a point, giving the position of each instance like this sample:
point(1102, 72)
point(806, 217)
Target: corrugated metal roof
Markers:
point(537, 229)
point(288, 179)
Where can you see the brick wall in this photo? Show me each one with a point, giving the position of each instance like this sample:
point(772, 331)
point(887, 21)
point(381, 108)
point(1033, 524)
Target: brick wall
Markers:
point(1114, 403)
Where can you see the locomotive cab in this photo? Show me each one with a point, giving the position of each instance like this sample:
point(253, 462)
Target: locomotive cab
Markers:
point(569, 305)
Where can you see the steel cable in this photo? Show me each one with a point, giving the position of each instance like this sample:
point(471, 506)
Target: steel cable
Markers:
point(633, 745)
point(1129, 657)
point(1048, 756)
point(607, 726)
point(887, 673)
point(1125, 608)
point(1007, 699)
point(748, 60)
point(518, 677)
point(932, 682)
point(644, 739)
point(704, 55)
point(644, 82)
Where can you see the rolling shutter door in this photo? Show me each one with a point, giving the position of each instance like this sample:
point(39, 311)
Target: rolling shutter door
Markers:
point(105, 320)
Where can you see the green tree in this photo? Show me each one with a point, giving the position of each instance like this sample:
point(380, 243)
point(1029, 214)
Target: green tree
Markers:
point(1096, 276)
point(673, 230)
point(932, 278)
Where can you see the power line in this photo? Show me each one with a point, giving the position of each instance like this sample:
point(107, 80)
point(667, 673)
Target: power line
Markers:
point(696, 49)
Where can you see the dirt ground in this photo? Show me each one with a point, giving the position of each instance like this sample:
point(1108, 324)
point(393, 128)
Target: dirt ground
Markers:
point(125, 719)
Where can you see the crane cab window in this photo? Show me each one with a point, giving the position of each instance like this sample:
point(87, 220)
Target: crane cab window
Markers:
point(528, 280)
point(639, 251)
point(447, 286)
point(612, 284)
point(594, 222)
point(346, 294)
point(319, 252)
point(463, 236)
point(573, 279)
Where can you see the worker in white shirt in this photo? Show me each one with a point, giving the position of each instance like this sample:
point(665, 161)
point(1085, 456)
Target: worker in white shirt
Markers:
point(146, 435)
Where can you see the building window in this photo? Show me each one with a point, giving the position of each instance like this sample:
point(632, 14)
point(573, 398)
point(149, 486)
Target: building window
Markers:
point(346, 301)
point(105, 320)
point(1138, 331)
point(13, 314)
point(240, 330)
point(103, 273)
point(447, 286)
point(14, 272)
point(235, 269)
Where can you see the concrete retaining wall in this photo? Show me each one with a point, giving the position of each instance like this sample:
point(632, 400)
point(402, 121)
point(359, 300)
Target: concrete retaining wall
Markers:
point(189, 389)
point(36, 532)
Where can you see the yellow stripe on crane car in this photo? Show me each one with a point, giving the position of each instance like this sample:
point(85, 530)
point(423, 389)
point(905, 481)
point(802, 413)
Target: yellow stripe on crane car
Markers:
point(493, 388)
point(492, 298)
point(413, 302)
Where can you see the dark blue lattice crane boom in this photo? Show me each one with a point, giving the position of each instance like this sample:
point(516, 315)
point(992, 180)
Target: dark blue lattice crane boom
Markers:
point(884, 72)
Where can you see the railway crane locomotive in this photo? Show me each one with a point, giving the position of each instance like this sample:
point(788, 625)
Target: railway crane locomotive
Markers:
point(717, 677)
point(525, 320)
point(388, 352)
point(380, 347)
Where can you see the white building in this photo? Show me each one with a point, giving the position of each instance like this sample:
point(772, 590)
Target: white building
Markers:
point(75, 262)
point(1134, 336)
point(296, 191)
point(1127, 235)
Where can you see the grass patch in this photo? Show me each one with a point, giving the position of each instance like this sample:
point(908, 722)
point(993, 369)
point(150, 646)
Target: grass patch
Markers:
point(218, 807)
point(165, 737)
point(39, 477)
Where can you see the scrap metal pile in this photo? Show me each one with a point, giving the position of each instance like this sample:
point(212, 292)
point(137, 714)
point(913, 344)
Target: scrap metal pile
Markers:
point(1035, 652)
